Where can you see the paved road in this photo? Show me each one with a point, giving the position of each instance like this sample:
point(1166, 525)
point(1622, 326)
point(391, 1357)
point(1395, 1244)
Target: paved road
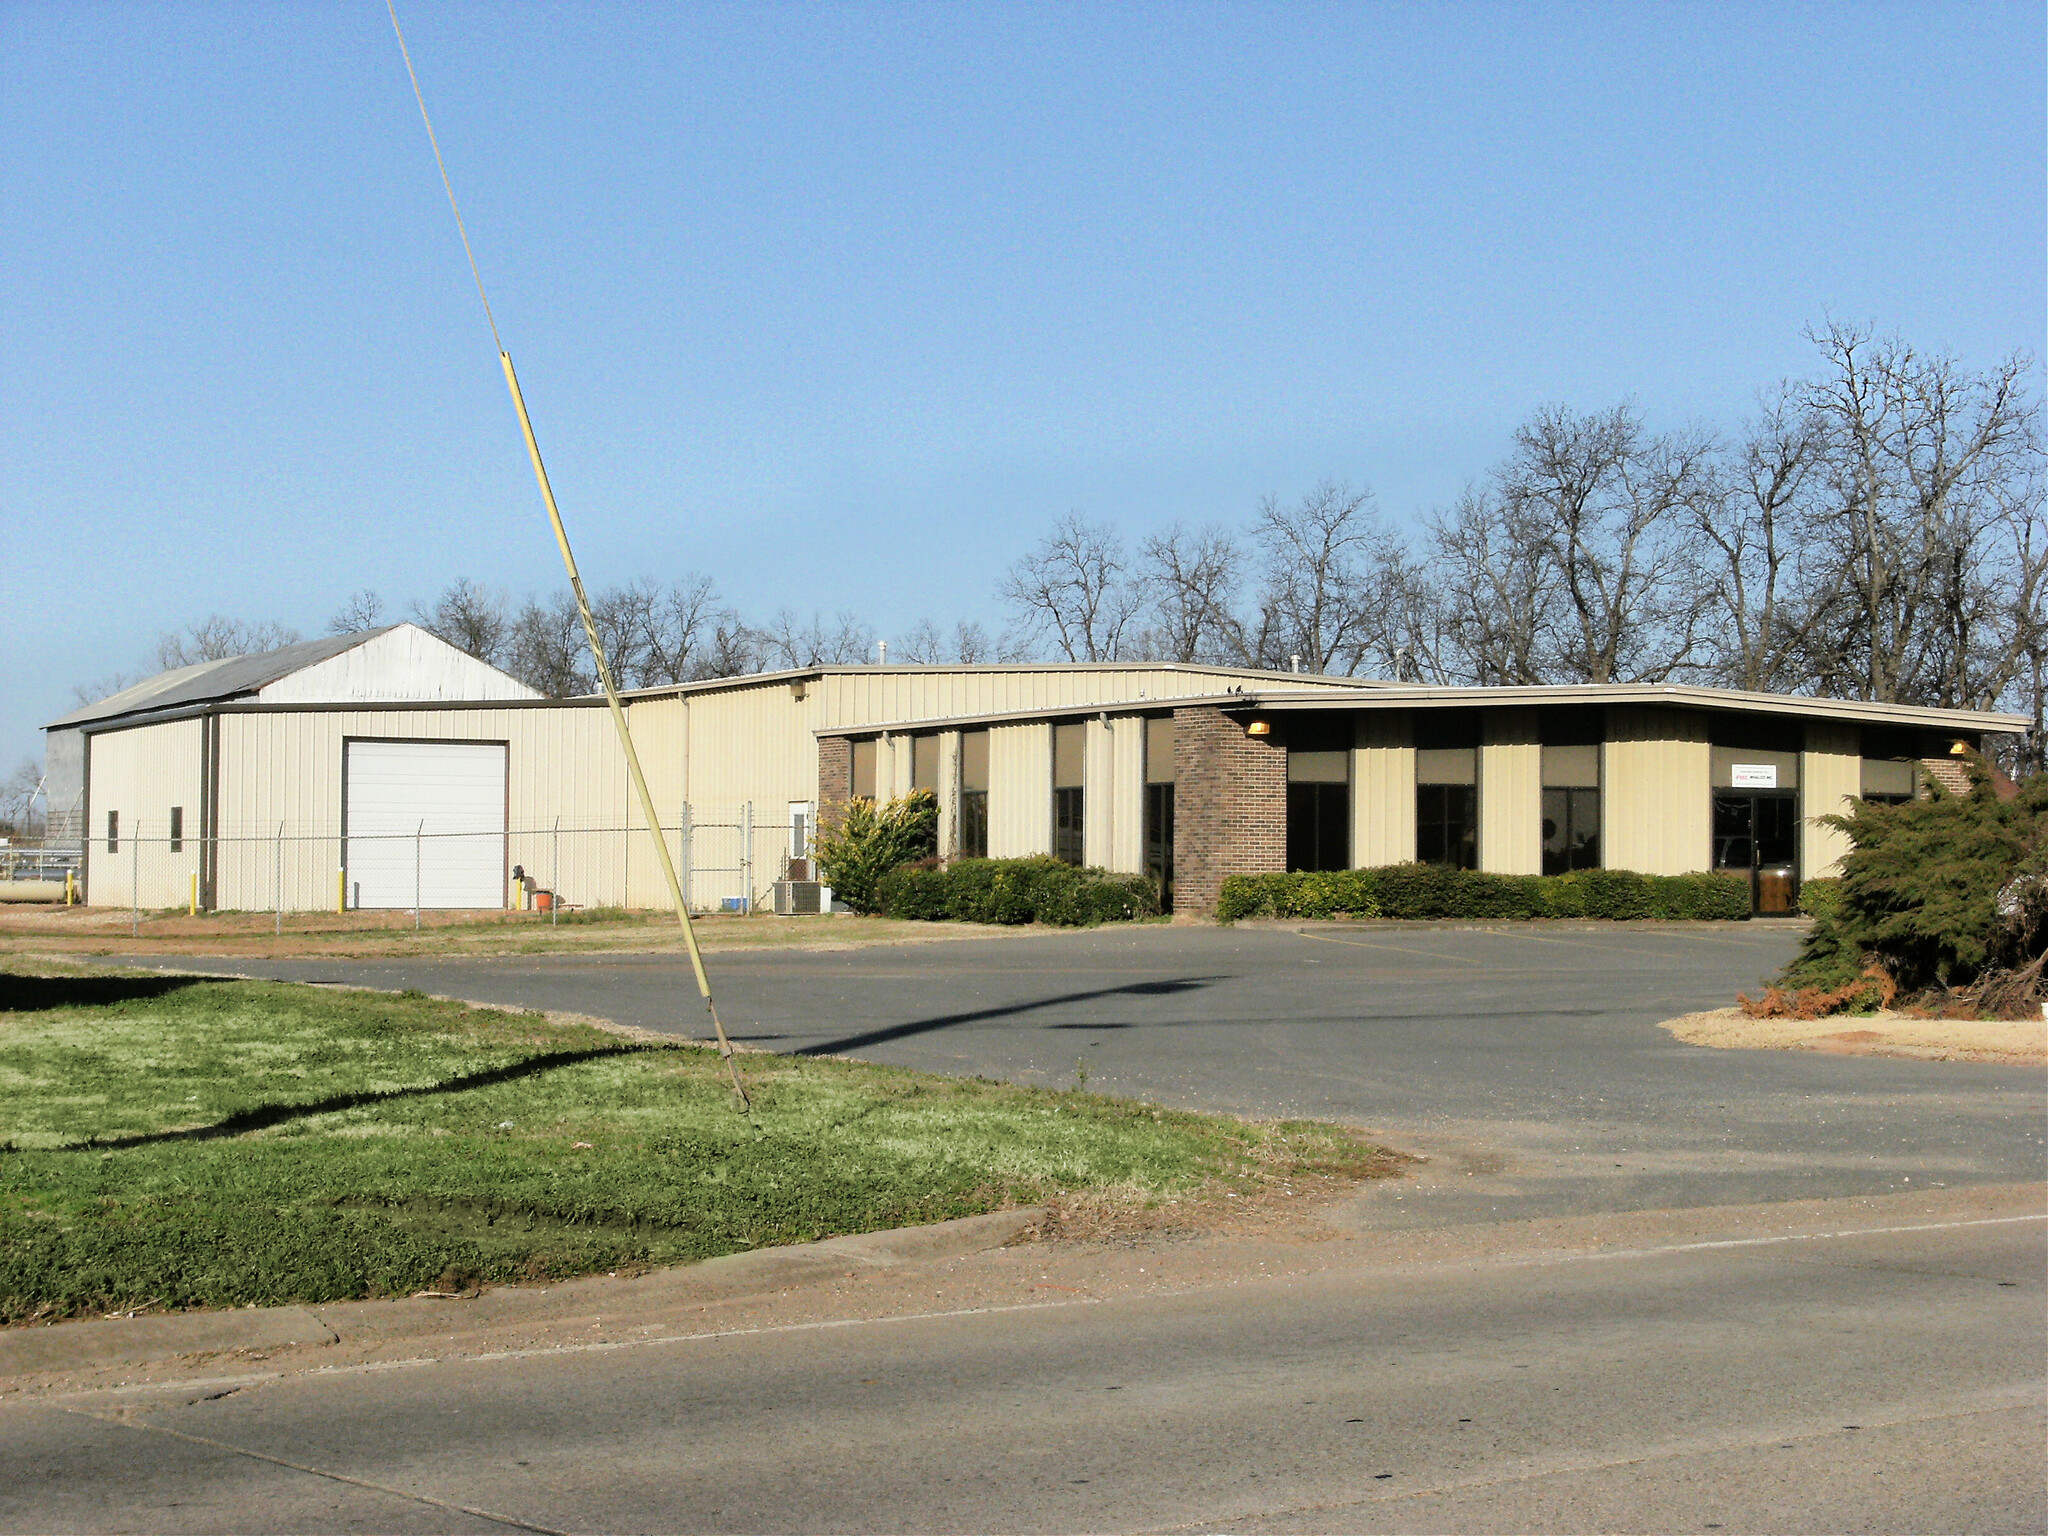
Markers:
point(1525, 1061)
point(1884, 1381)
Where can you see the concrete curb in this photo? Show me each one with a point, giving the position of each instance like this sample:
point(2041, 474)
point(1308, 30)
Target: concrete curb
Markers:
point(135, 1341)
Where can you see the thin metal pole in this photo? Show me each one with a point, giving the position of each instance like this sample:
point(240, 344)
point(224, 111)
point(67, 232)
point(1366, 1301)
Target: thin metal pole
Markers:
point(135, 881)
point(747, 856)
point(555, 878)
point(618, 714)
point(418, 835)
point(597, 654)
point(278, 879)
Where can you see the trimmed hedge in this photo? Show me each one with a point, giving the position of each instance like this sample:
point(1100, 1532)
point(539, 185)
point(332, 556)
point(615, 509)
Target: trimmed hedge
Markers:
point(1037, 890)
point(1432, 890)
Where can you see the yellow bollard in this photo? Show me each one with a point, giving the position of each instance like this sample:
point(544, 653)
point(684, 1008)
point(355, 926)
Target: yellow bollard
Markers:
point(70, 883)
point(193, 910)
point(341, 889)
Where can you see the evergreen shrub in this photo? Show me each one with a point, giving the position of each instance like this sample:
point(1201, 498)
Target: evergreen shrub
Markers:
point(1010, 891)
point(1435, 891)
point(1921, 889)
point(860, 842)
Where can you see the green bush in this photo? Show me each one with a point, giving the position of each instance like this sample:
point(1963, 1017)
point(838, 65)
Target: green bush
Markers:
point(1435, 891)
point(1012, 891)
point(1920, 886)
point(1820, 898)
point(860, 842)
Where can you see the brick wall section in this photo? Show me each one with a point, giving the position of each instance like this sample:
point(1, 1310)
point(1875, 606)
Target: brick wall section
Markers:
point(1948, 772)
point(835, 771)
point(1229, 806)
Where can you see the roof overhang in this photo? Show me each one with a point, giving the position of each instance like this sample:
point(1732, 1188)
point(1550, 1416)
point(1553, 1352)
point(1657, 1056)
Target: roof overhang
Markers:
point(1422, 696)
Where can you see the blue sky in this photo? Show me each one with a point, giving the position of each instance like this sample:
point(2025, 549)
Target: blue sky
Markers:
point(843, 305)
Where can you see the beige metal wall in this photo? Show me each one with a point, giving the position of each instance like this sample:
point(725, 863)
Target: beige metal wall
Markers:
point(1511, 793)
point(141, 773)
point(1656, 804)
point(562, 764)
point(1383, 789)
point(1019, 790)
point(1126, 852)
point(1830, 775)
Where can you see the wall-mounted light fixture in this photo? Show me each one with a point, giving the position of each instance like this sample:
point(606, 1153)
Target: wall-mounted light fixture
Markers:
point(1258, 728)
point(1960, 749)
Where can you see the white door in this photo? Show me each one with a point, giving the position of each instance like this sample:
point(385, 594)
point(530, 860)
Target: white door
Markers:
point(426, 823)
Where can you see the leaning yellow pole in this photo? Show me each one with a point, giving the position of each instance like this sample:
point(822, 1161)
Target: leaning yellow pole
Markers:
point(611, 698)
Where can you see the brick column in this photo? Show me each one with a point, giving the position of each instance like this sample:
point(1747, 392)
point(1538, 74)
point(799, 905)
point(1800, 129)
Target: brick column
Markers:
point(835, 771)
point(1229, 806)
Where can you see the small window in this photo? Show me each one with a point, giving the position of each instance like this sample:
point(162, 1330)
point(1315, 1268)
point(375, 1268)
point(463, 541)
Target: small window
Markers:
point(924, 763)
point(1159, 751)
point(973, 834)
point(113, 831)
point(1069, 760)
point(177, 829)
point(1887, 782)
point(864, 754)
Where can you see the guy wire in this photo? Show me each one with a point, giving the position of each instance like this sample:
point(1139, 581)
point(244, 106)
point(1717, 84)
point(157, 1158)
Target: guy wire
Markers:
point(597, 654)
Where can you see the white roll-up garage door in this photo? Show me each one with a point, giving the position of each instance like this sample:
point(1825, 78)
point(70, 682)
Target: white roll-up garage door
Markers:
point(425, 823)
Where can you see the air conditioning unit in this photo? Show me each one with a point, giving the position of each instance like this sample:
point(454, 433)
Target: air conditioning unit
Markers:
point(799, 898)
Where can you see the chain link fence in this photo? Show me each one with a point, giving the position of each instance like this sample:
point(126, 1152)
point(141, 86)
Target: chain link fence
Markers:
point(726, 859)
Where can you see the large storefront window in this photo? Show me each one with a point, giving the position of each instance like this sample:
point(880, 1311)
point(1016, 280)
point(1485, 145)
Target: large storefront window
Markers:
point(1069, 759)
point(1318, 809)
point(1447, 788)
point(973, 834)
point(1159, 807)
point(1571, 808)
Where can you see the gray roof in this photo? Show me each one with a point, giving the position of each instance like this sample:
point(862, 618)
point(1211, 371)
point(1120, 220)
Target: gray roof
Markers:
point(207, 682)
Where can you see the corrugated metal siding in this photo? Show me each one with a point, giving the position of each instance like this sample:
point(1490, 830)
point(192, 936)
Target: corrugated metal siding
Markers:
point(753, 744)
point(402, 664)
point(1511, 794)
point(1383, 789)
point(1127, 788)
point(141, 774)
point(1019, 790)
point(1655, 797)
point(285, 770)
point(1830, 775)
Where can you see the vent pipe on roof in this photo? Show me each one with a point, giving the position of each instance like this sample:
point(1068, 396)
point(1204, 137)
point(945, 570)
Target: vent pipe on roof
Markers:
point(1294, 663)
point(881, 653)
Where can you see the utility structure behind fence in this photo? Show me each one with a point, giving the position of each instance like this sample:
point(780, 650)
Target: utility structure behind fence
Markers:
point(726, 858)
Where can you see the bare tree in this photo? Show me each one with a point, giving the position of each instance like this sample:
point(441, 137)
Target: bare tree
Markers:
point(1494, 566)
point(1934, 474)
point(545, 647)
point(1316, 558)
point(18, 792)
point(1606, 498)
point(216, 638)
point(361, 612)
point(1193, 578)
point(1761, 583)
point(790, 642)
point(1077, 589)
point(471, 618)
point(681, 621)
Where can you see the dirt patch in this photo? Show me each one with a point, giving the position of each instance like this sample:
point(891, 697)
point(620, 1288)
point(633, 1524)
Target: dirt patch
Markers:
point(1876, 1034)
point(52, 930)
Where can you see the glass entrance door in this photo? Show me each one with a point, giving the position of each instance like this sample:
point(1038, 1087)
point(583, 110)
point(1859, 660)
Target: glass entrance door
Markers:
point(1757, 835)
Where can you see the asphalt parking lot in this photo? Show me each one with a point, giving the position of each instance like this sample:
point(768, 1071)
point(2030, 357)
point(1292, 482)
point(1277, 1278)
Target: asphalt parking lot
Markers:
point(1525, 1062)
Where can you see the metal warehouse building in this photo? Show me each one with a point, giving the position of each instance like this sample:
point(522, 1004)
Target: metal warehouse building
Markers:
point(390, 770)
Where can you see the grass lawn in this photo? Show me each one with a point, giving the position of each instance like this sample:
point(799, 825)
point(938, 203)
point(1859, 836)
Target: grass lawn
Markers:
point(168, 1142)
